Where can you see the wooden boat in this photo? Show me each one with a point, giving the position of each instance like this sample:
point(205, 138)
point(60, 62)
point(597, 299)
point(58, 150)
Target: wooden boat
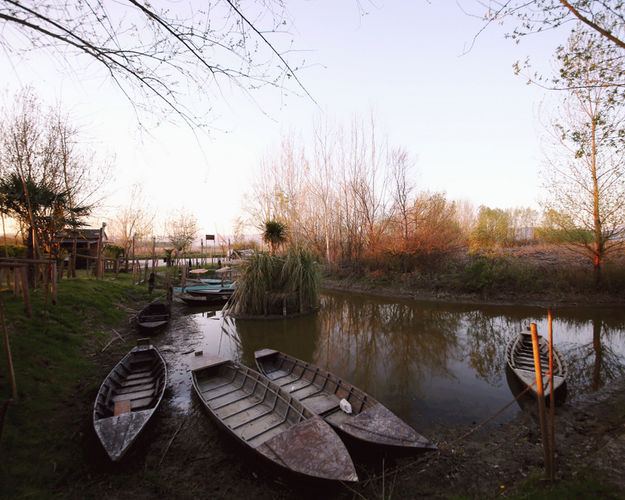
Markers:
point(263, 417)
point(206, 299)
point(128, 397)
point(153, 316)
point(205, 288)
point(212, 292)
point(520, 359)
point(332, 398)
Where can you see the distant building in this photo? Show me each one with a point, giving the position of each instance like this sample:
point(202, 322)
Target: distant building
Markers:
point(86, 242)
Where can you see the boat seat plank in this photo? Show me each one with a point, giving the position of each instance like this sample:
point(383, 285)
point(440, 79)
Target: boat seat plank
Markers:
point(138, 381)
point(288, 378)
point(278, 374)
point(121, 407)
point(138, 404)
point(212, 384)
point(337, 417)
point(137, 374)
point(321, 403)
point(136, 388)
point(235, 418)
point(134, 395)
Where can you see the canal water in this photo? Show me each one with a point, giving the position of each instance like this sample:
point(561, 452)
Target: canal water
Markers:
point(431, 363)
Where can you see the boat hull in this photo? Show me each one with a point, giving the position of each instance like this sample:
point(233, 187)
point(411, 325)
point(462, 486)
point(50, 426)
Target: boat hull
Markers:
point(153, 317)
point(321, 392)
point(128, 397)
point(520, 360)
point(264, 418)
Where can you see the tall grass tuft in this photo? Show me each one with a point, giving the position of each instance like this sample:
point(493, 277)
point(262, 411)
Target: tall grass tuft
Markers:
point(270, 285)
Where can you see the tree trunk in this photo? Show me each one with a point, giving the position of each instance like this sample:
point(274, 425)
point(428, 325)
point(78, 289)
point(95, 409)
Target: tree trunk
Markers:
point(596, 271)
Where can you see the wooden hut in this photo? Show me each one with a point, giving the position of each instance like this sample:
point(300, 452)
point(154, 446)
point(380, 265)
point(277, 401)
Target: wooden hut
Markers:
point(87, 241)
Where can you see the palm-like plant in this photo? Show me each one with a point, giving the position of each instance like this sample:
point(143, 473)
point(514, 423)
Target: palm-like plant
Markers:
point(274, 234)
point(42, 208)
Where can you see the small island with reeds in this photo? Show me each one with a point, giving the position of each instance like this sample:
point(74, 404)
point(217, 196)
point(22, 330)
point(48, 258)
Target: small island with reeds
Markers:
point(276, 286)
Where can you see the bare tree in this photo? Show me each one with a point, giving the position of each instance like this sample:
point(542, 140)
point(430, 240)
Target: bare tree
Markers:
point(585, 173)
point(132, 221)
point(466, 216)
point(158, 52)
point(181, 230)
point(403, 185)
point(605, 17)
point(323, 177)
point(56, 180)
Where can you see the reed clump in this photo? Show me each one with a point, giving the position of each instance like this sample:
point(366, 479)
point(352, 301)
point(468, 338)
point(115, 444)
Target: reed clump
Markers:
point(271, 285)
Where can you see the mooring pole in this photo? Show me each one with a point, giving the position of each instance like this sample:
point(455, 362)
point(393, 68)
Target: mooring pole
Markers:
point(541, 399)
point(552, 400)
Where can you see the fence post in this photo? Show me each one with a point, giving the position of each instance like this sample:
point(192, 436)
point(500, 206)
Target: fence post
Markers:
point(8, 351)
point(25, 291)
point(54, 282)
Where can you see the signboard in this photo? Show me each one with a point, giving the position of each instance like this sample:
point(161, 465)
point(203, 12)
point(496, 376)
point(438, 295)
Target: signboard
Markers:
point(210, 237)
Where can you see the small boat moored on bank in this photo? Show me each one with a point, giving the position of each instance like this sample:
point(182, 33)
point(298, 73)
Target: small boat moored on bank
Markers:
point(520, 359)
point(128, 397)
point(153, 316)
point(263, 417)
point(339, 403)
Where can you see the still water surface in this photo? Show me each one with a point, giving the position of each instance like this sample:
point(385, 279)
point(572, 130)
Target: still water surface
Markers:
point(431, 363)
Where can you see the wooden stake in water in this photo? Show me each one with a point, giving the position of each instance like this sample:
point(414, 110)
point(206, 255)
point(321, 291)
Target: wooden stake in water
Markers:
point(552, 403)
point(541, 400)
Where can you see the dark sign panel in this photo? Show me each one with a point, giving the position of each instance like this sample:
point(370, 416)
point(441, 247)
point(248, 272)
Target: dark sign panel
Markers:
point(210, 237)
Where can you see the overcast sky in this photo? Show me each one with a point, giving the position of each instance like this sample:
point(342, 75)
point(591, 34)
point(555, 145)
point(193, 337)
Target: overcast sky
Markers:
point(471, 123)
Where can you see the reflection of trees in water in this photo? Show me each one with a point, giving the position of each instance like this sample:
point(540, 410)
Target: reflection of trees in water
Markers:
point(594, 364)
point(397, 348)
point(229, 331)
point(295, 336)
point(374, 342)
point(486, 341)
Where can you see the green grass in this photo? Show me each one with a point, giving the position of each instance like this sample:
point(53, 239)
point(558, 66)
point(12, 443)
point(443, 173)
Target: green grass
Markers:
point(40, 449)
point(585, 484)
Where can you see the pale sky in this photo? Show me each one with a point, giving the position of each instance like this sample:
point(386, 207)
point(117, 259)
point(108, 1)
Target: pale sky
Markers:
point(472, 125)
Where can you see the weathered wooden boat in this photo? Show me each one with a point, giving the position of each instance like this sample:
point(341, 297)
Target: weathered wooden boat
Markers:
point(204, 287)
point(520, 359)
point(206, 299)
point(263, 417)
point(128, 397)
point(153, 316)
point(212, 292)
point(345, 407)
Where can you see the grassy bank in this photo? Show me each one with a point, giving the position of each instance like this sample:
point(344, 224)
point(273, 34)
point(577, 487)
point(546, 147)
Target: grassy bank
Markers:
point(41, 448)
point(528, 274)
